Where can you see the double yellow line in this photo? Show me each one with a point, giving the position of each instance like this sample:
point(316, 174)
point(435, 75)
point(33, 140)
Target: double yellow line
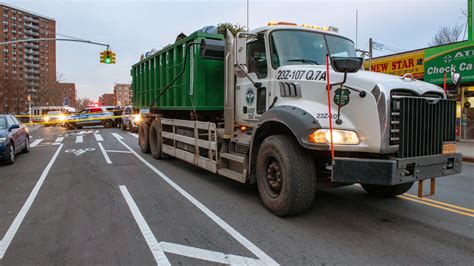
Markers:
point(439, 205)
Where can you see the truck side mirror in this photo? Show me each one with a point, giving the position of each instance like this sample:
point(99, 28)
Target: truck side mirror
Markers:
point(456, 78)
point(240, 51)
point(240, 58)
point(346, 64)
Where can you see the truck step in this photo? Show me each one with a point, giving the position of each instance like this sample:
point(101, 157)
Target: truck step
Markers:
point(231, 174)
point(233, 157)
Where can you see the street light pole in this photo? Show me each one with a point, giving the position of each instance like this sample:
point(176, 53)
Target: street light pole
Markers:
point(55, 39)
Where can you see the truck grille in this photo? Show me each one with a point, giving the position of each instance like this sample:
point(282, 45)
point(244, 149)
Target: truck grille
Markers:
point(420, 124)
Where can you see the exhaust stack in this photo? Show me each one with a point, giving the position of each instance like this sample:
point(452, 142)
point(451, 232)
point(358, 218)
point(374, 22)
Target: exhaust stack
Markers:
point(229, 80)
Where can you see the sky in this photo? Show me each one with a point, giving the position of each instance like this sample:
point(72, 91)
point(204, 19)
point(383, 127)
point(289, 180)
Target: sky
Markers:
point(134, 27)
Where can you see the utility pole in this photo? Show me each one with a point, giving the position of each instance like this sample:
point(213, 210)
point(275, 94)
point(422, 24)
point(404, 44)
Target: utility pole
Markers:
point(357, 26)
point(248, 15)
point(370, 53)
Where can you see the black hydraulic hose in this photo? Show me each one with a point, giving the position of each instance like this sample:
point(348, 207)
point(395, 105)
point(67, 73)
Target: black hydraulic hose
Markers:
point(186, 52)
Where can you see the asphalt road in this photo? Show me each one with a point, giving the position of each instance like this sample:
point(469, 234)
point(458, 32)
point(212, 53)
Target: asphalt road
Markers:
point(91, 197)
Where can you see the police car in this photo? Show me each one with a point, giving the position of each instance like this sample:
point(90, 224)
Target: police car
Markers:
point(93, 116)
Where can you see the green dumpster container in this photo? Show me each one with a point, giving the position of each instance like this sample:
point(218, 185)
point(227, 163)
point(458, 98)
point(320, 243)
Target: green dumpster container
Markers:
point(201, 85)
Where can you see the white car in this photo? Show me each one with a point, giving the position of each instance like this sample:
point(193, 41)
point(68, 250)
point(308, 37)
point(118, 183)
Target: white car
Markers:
point(130, 119)
point(54, 118)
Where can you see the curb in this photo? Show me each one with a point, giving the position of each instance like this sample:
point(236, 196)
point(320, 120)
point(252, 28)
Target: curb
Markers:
point(468, 159)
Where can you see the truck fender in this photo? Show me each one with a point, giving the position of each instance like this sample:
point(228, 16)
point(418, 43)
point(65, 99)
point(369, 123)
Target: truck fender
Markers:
point(281, 119)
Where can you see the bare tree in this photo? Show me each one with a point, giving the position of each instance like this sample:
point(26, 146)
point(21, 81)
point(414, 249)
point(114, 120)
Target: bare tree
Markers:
point(447, 34)
point(82, 103)
point(13, 95)
point(49, 92)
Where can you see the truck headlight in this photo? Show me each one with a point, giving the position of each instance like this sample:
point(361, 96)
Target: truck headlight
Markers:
point(3, 139)
point(137, 119)
point(323, 136)
point(61, 118)
point(46, 119)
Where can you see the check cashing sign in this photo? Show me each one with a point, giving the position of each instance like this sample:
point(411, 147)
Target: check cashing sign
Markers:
point(457, 58)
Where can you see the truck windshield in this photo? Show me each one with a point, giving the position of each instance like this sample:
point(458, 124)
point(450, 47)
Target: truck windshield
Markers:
point(296, 47)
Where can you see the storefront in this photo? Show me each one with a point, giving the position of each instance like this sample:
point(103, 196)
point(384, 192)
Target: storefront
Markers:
point(440, 62)
point(435, 65)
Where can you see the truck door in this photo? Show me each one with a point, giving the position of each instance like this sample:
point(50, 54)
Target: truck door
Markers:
point(251, 102)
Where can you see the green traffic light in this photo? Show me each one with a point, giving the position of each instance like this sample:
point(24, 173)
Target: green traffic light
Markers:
point(107, 60)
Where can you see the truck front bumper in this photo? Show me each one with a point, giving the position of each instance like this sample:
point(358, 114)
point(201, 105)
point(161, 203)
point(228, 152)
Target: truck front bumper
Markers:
point(395, 171)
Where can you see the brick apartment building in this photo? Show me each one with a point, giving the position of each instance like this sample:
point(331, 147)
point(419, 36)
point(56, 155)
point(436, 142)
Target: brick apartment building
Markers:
point(123, 94)
point(107, 99)
point(27, 67)
point(68, 93)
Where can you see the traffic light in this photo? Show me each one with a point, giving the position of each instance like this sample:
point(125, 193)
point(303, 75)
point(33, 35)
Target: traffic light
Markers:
point(107, 57)
point(112, 57)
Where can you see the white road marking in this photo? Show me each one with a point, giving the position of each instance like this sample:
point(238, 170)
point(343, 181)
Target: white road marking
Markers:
point(79, 139)
point(135, 135)
point(117, 136)
point(79, 152)
point(98, 137)
point(209, 255)
point(150, 239)
point(7, 239)
point(117, 151)
point(58, 141)
point(106, 156)
point(35, 143)
point(229, 229)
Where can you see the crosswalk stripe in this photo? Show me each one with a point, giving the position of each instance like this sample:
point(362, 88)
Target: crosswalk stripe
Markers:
point(79, 139)
point(135, 135)
point(35, 143)
point(58, 141)
point(98, 137)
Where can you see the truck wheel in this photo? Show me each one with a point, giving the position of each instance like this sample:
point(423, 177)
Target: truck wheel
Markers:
point(286, 176)
point(387, 191)
point(155, 139)
point(143, 139)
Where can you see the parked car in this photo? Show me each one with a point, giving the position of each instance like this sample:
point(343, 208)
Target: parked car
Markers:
point(14, 138)
point(94, 116)
point(130, 119)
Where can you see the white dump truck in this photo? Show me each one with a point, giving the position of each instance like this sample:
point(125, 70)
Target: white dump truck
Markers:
point(255, 108)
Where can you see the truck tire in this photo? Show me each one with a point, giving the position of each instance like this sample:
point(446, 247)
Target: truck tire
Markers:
point(155, 139)
point(286, 176)
point(387, 191)
point(143, 139)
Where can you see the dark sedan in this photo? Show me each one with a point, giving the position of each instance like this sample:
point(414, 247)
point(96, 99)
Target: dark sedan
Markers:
point(14, 138)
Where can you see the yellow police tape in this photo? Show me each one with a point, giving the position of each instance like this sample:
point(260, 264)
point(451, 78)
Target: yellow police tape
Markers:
point(66, 120)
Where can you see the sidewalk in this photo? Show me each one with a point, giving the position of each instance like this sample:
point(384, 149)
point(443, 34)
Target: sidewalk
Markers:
point(467, 149)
